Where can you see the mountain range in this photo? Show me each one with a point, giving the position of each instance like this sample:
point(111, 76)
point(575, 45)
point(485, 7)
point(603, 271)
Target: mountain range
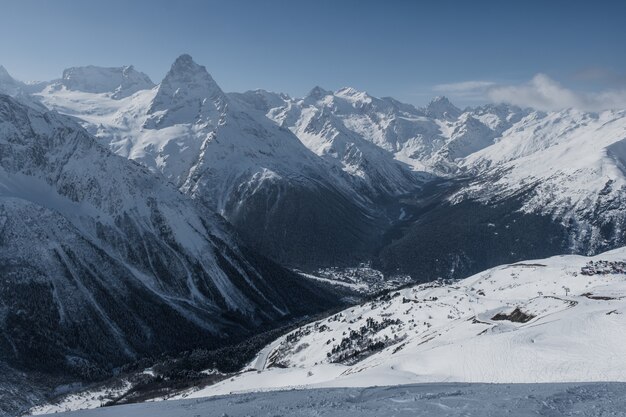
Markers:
point(338, 178)
point(104, 262)
point(140, 219)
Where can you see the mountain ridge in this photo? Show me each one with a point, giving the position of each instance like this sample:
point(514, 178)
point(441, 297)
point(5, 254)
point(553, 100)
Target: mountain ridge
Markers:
point(374, 156)
point(103, 262)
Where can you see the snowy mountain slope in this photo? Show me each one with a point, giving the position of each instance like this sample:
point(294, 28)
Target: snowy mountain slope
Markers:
point(432, 139)
point(467, 236)
point(550, 320)
point(441, 108)
point(102, 262)
point(19, 90)
point(187, 94)
point(218, 149)
point(570, 163)
point(550, 183)
point(373, 170)
point(353, 185)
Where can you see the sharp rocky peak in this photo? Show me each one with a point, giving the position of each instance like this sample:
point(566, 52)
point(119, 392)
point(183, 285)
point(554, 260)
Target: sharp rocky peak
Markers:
point(441, 108)
point(187, 94)
point(318, 92)
point(6, 78)
point(8, 84)
point(4, 73)
point(186, 74)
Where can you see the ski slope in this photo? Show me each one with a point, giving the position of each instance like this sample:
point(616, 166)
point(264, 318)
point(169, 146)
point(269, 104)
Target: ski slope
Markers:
point(432, 400)
point(541, 321)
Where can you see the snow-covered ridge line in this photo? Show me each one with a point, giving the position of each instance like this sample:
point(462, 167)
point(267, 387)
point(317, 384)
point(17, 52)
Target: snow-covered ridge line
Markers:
point(218, 149)
point(117, 82)
point(550, 320)
point(241, 151)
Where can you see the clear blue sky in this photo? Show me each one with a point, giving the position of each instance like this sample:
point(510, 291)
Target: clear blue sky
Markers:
point(405, 49)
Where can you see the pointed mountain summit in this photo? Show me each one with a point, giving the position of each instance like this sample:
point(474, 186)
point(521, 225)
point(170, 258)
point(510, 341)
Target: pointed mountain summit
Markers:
point(8, 84)
point(4, 74)
point(442, 108)
point(119, 81)
point(187, 94)
point(317, 93)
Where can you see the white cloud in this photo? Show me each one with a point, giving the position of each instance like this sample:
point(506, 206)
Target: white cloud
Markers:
point(543, 93)
point(464, 87)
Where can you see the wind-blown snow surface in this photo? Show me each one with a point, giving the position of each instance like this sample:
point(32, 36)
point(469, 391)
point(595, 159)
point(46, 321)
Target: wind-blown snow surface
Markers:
point(536, 321)
point(432, 400)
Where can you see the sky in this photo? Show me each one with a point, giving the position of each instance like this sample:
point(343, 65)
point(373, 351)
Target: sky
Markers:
point(546, 53)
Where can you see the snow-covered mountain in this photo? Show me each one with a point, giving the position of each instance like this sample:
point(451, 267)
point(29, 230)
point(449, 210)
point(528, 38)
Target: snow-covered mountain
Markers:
point(106, 258)
point(573, 165)
point(546, 321)
point(316, 121)
point(343, 177)
point(102, 261)
point(217, 148)
point(441, 108)
point(549, 320)
point(21, 91)
point(119, 82)
point(9, 85)
point(550, 183)
point(343, 125)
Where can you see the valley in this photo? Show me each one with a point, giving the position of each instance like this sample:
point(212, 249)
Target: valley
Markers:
point(173, 241)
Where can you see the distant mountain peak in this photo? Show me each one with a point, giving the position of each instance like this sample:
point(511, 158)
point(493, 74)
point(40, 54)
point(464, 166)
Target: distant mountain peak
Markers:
point(185, 68)
point(184, 65)
point(440, 102)
point(441, 108)
point(184, 61)
point(318, 92)
point(120, 81)
point(8, 84)
point(349, 91)
point(5, 77)
point(186, 94)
